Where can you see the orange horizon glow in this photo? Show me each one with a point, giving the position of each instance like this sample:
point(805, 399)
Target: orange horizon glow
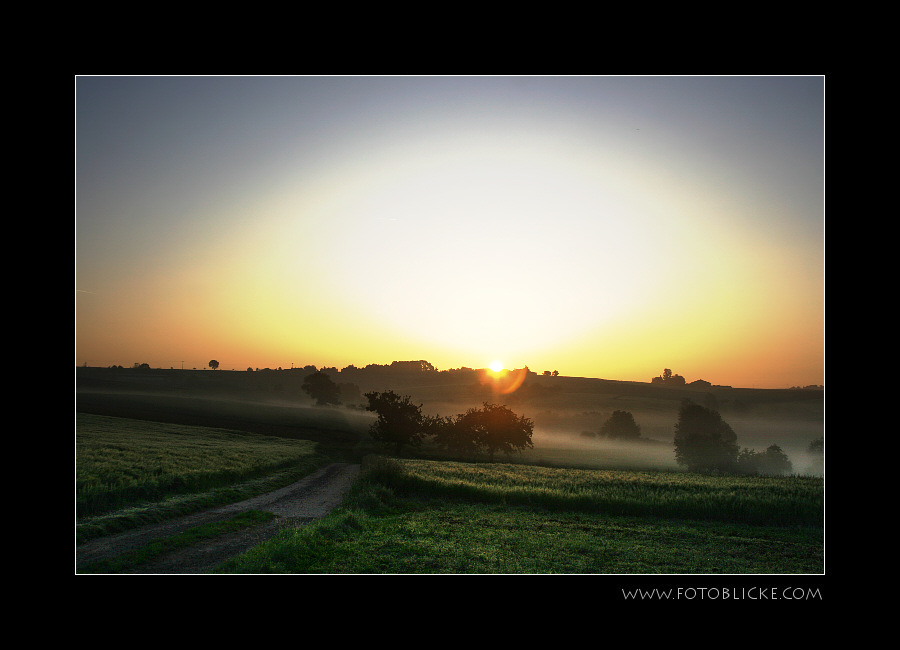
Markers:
point(746, 377)
point(566, 224)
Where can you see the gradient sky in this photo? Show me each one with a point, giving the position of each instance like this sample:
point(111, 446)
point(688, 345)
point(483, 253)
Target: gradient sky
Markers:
point(600, 226)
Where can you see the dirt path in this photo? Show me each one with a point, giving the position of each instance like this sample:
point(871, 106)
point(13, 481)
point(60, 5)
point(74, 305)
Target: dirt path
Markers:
point(296, 505)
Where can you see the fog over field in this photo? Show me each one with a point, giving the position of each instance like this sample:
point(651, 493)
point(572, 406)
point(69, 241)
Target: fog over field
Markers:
point(568, 419)
point(568, 413)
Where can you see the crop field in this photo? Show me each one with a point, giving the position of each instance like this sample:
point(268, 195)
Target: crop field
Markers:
point(412, 516)
point(738, 499)
point(124, 464)
point(574, 504)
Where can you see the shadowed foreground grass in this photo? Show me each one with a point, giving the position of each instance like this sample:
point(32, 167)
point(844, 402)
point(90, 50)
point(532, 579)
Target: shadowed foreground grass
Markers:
point(134, 472)
point(409, 517)
point(138, 558)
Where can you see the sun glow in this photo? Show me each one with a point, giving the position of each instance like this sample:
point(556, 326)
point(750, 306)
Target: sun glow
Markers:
point(449, 219)
point(502, 380)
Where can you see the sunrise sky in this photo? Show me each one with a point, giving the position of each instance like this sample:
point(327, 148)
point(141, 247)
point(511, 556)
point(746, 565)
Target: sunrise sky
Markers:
point(599, 226)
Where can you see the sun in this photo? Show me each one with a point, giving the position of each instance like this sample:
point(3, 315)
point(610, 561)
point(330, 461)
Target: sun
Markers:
point(496, 366)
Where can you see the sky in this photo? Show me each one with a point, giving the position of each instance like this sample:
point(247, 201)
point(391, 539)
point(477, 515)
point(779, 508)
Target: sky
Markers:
point(600, 226)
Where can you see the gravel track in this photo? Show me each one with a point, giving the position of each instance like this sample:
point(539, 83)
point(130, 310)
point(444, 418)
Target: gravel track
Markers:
point(296, 505)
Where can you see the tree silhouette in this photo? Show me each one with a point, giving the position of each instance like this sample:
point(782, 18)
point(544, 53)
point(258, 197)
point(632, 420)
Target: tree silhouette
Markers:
point(320, 387)
point(213, 364)
point(772, 461)
point(817, 446)
point(703, 440)
point(450, 434)
point(747, 461)
point(621, 426)
point(816, 450)
point(399, 423)
point(668, 378)
point(495, 428)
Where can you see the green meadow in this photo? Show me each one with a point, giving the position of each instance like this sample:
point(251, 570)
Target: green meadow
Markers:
point(575, 504)
point(438, 517)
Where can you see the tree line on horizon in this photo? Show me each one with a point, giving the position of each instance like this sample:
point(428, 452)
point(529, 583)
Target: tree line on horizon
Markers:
point(666, 378)
point(416, 366)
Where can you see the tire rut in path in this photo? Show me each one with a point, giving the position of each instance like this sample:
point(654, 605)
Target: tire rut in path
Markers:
point(297, 504)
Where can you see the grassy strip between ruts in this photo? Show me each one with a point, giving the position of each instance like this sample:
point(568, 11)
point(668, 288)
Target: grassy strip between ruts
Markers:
point(177, 506)
point(390, 525)
point(135, 559)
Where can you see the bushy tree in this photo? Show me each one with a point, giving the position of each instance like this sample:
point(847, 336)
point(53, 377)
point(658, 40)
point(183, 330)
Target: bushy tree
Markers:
point(816, 451)
point(350, 393)
point(704, 442)
point(747, 461)
point(452, 435)
point(494, 428)
point(668, 378)
point(321, 388)
point(621, 426)
point(399, 423)
point(213, 364)
point(773, 461)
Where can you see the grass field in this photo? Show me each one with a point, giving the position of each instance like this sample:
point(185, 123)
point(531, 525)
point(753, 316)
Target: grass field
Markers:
point(129, 472)
point(440, 517)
